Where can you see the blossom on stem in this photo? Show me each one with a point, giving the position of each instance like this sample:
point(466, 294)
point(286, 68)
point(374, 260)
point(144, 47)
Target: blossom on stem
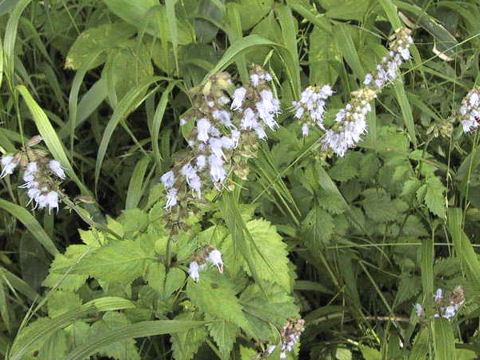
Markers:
point(9, 163)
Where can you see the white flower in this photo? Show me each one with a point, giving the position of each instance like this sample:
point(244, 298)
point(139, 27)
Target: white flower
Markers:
point(268, 108)
point(203, 125)
point(249, 120)
point(259, 129)
point(217, 172)
point(28, 175)
point(438, 295)
point(254, 79)
point(419, 310)
point(305, 129)
point(238, 97)
point(215, 257)
point(267, 77)
point(168, 179)
point(223, 117)
point(56, 167)
point(9, 163)
point(216, 145)
point(449, 312)
point(235, 134)
point(368, 79)
point(193, 180)
point(171, 198)
point(271, 349)
point(283, 355)
point(183, 122)
point(201, 162)
point(227, 143)
point(49, 200)
point(193, 271)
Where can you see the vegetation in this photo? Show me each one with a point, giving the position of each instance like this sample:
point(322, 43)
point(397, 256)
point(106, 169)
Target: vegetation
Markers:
point(248, 179)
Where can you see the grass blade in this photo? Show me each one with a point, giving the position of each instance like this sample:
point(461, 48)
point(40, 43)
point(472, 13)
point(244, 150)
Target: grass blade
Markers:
point(24, 216)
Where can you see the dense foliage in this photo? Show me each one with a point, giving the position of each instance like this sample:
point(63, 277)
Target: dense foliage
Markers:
point(248, 179)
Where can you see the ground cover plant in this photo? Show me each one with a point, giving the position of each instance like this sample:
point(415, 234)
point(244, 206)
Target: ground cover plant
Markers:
point(249, 179)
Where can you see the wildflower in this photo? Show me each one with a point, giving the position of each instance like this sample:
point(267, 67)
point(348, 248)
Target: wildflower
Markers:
point(268, 108)
point(215, 257)
point(56, 167)
point(238, 97)
point(249, 120)
point(217, 171)
point(168, 179)
point(192, 178)
point(470, 111)
point(290, 335)
point(201, 162)
point(311, 107)
point(193, 271)
point(419, 310)
point(9, 163)
point(203, 126)
point(438, 295)
point(255, 79)
point(171, 198)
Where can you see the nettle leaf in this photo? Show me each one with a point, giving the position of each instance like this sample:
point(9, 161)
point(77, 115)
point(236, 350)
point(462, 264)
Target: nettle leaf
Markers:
point(435, 197)
point(379, 207)
point(95, 41)
point(410, 187)
point(121, 350)
point(331, 201)
point(224, 333)
point(409, 287)
point(274, 306)
point(186, 344)
point(92, 238)
point(133, 220)
point(215, 296)
point(346, 168)
point(60, 302)
point(319, 228)
point(61, 270)
point(120, 261)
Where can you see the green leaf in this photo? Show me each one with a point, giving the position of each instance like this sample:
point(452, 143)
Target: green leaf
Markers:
point(61, 275)
point(262, 308)
point(268, 253)
point(141, 329)
point(26, 218)
point(33, 336)
point(95, 41)
point(224, 333)
point(379, 207)
point(215, 296)
point(185, 344)
point(434, 197)
point(60, 302)
point(443, 339)
point(124, 349)
point(370, 353)
point(252, 11)
point(322, 57)
point(318, 225)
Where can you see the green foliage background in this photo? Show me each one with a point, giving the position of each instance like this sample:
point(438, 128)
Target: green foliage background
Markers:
point(349, 244)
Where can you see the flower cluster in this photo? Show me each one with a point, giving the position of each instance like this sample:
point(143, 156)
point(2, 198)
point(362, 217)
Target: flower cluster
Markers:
point(41, 175)
point(290, 335)
point(204, 256)
point(445, 307)
point(225, 135)
point(310, 109)
point(470, 110)
point(350, 122)
point(387, 70)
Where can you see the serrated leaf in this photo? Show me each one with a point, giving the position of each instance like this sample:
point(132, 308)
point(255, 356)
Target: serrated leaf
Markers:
point(121, 350)
point(215, 296)
point(408, 287)
point(224, 333)
point(60, 302)
point(345, 168)
point(379, 207)
point(119, 261)
point(268, 251)
point(61, 275)
point(434, 197)
point(185, 344)
point(319, 228)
